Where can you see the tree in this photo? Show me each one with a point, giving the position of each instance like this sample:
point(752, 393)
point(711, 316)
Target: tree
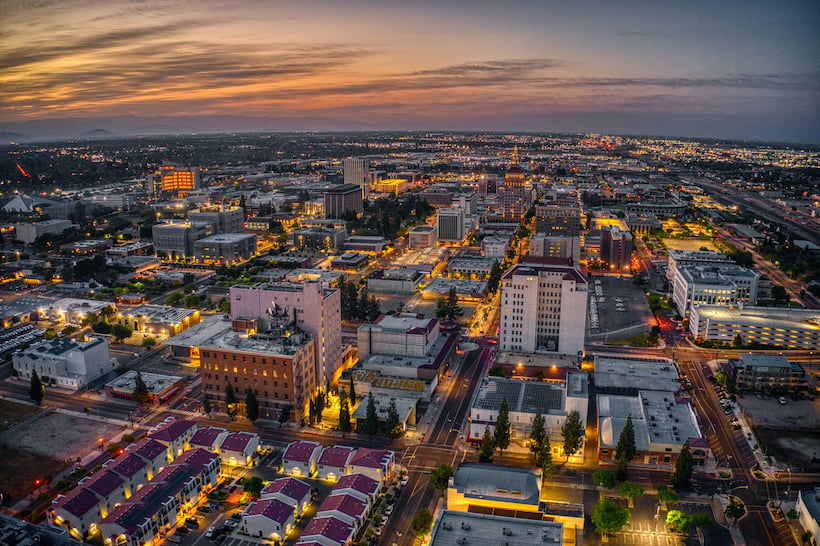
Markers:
point(543, 459)
point(231, 401)
point(780, 294)
point(393, 423)
point(284, 414)
point(609, 517)
point(735, 509)
point(251, 406)
point(497, 371)
point(448, 308)
point(36, 390)
point(173, 298)
point(494, 278)
point(371, 419)
point(502, 427)
point(631, 491)
point(573, 433)
point(206, 405)
point(344, 412)
point(625, 449)
point(604, 478)
point(677, 521)
point(805, 537)
point(148, 342)
point(682, 474)
point(487, 451)
point(51, 333)
point(141, 393)
point(666, 495)
point(440, 476)
point(121, 332)
point(253, 486)
point(537, 432)
point(422, 523)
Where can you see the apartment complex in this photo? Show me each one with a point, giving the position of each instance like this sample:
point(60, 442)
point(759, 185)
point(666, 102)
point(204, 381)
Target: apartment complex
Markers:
point(313, 308)
point(769, 373)
point(543, 309)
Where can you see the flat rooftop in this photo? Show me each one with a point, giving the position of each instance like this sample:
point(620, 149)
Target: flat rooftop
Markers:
point(459, 528)
point(403, 322)
point(657, 417)
point(198, 334)
point(258, 343)
point(227, 238)
point(159, 314)
point(156, 383)
point(499, 483)
point(772, 317)
point(523, 396)
point(615, 374)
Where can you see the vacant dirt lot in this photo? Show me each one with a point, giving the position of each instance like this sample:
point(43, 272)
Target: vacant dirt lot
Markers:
point(60, 436)
point(12, 414)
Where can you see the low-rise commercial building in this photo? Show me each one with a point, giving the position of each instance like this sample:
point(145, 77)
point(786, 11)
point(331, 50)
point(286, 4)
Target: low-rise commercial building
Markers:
point(161, 388)
point(722, 285)
point(553, 400)
point(395, 281)
point(422, 237)
point(65, 362)
point(481, 488)
point(176, 239)
point(158, 319)
point(28, 233)
point(457, 528)
point(808, 510)
point(322, 239)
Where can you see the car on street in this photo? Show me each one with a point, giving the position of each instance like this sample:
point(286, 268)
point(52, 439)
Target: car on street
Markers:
point(782, 400)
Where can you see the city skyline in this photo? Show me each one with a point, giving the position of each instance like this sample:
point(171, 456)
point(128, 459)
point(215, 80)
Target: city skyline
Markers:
point(728, 70)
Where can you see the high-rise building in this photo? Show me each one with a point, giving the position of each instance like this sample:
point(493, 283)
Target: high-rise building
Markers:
point(224, 219)
point(357, 171)
point(225, 248)
point(616, 248)
point(179, 180)
point(343, 199)
point(543, 309)
point(451, 225)
point(515, 195)
point(557, 221)
point(315, 309)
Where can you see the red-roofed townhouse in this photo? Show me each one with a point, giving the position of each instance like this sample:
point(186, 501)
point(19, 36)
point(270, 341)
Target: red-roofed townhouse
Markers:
point(379, 464)
point(132, 469)
point(79, 511)
point(208, 438)
point(345, 507)
point(237, 448)
point(154, 509)
point(152, 452)
point(290, 490)
point(270, 518)
point(333, 462)
point(175, 434)
point(315, 542)
point(300, 458)
point(329, 528)
point(360, 486)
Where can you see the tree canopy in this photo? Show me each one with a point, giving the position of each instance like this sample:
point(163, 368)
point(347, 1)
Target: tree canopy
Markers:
point(440, 476)
point(573, 433)
point(609, 517)
point(502, 432)
point(682, 474)
point(487, 450)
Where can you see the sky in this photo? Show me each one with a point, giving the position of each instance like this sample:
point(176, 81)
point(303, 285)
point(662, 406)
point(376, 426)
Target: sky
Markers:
point(701, 68)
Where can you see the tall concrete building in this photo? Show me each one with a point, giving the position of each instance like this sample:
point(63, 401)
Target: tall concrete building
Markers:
point(343, 199)
point(225, 248)
point(223, 219)
point(547, 246)
point(357, 171)
point(315, 309)
point(543, 309)
point(515, 195)
point(450, 224)
point(616, 248)
point(558, 221)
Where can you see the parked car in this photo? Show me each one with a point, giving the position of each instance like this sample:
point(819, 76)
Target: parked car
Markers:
point(183, 530)
point(782, 400)
point(210, 532)
point(176, 538)
point(236, 515)
point(230, 524)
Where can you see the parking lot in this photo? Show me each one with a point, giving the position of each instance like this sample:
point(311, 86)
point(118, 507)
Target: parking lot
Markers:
point(615, 303)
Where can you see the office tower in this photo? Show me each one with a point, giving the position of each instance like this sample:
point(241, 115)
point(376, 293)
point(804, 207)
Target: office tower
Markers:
point(450, 224)
point(616, 248)
point(515, 195)
point(315, 309)
point(357, 171)
point(543, 309)
point(225, 248)
point(342, 200)
point(176, 239)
